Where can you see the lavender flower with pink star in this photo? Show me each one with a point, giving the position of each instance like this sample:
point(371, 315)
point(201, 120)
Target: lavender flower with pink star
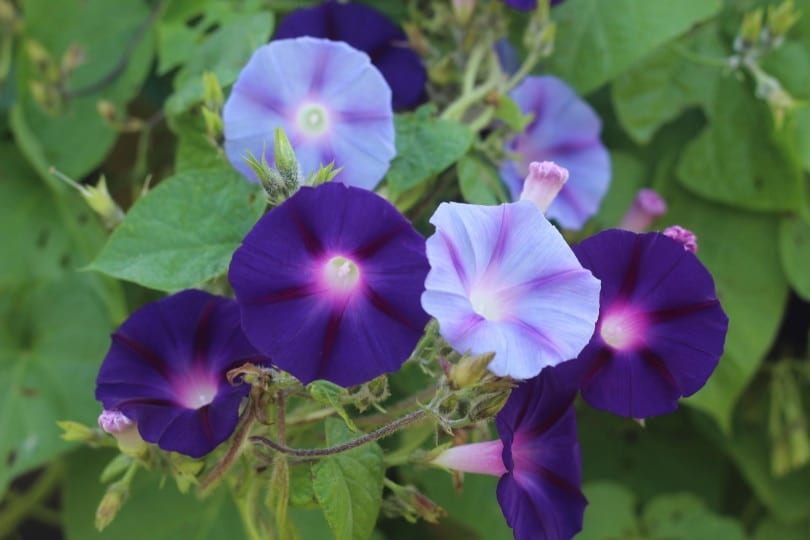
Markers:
point(661, 328)
point(565, 130)
point(504, 280)
point(331, 102)
point(329, 283)
point(166, 372)
point(367, 30)
point(537, 458)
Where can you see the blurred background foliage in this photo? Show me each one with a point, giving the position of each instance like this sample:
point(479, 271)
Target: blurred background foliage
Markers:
point(96, 87)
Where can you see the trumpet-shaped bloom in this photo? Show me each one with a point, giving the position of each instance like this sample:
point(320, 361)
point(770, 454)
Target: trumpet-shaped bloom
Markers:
point(537, 458)
point(331, 102)
point(504, 280)
point(166, 371)
point(329, 283)
point(661, 328)
point(565, 130)
point(367, 30)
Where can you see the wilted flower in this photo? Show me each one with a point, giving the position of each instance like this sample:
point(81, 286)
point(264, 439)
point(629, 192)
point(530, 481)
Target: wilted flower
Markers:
point(504, 280)
point(564, 130)
point(367, 30)
point(537, 458)
point(686, 237)
point(661, 328)
point(331, 102)
point(166, 371)
point(329, 283)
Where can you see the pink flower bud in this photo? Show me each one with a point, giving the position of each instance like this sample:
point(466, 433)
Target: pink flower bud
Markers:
point(647, 206)
point(544, 182)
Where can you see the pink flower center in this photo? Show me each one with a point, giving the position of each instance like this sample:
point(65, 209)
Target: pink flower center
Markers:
point(623, 327)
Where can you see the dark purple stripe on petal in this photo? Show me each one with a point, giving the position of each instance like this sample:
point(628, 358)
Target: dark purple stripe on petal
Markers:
point(455, 257)
point(658, 364)
point(202, 336)
point(311, 241)
point(632, 273)
point(390, 310)
point(372, 247)
point(291, 293)
point(600, 362)
point(157, 363)
point(205, 423)
point(664, 315)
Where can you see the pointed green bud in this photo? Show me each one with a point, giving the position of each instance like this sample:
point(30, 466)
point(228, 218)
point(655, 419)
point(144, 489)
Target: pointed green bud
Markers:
point(72, 58)
point(74, 431)
point(97, 197)
point(110, 504)
point(286, 162)
point(782, 18)
point(213, 123)
point(487, 405)
point(750, 30)
point(470, 370)
point(42, 61)
point(212, 92)
point(411, 504)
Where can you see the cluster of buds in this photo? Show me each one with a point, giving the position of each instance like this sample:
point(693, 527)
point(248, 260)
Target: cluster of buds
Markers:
point(48, 87)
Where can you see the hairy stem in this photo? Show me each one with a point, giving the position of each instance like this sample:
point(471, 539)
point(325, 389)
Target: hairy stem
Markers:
point(375, 435)
point(227, 461)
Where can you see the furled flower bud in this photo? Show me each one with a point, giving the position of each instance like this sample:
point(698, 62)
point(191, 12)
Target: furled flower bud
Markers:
point(124, 430)
point(544, 182)
point(647, 206)
point(470, 370)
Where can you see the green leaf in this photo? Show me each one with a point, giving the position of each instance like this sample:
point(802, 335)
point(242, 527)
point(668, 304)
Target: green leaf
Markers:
point(348, 485)
point(598, 40)
point(740, 159)
point(480, 183)
point(76, 140)
point(52, 340)
point(195, 150)
point(770, 529)
point(426, 145)
point(184, 231)
point(224, 52)
point(658, 89)
point(611, 512)
point(740, 249)
point(328, 393)
point(508, 111)
point(685, 516)
point(794, 247)
point(153, 509)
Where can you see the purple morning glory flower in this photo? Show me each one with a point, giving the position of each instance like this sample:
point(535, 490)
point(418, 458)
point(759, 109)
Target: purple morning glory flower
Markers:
point(331, 102)
point(166, 371)
point(661, 328)
point(329, 283)
point(367, 30)
point(527, 5)
point(537, 458)
point(504, 280)
point(565, 130)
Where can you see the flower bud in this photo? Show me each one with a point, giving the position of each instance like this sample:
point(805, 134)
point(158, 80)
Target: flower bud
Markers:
point(544, 182)
point(487, 406)
point(410, 503)
point(646, 207)
point(106, 109)
point(212, 92)
point(470, 370)
point(213, 123)
point(72, 58)
point(74, 431)
point(124, 430)
point(97, 197)
point(286, 162)
point(781, 18)
point(750, 30)
point(110, 504)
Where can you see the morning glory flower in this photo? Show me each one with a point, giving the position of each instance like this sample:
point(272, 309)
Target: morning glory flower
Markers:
point(166, 372)
point(329, 282)
point(502, 279)
point(661, 328)
point(331, 102)
point(367, 30)
point(565, 130)
point(537, 458)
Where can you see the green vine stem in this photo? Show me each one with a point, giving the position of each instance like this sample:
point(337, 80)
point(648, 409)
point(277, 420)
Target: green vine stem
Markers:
point(19, 508)
point(375, 435)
